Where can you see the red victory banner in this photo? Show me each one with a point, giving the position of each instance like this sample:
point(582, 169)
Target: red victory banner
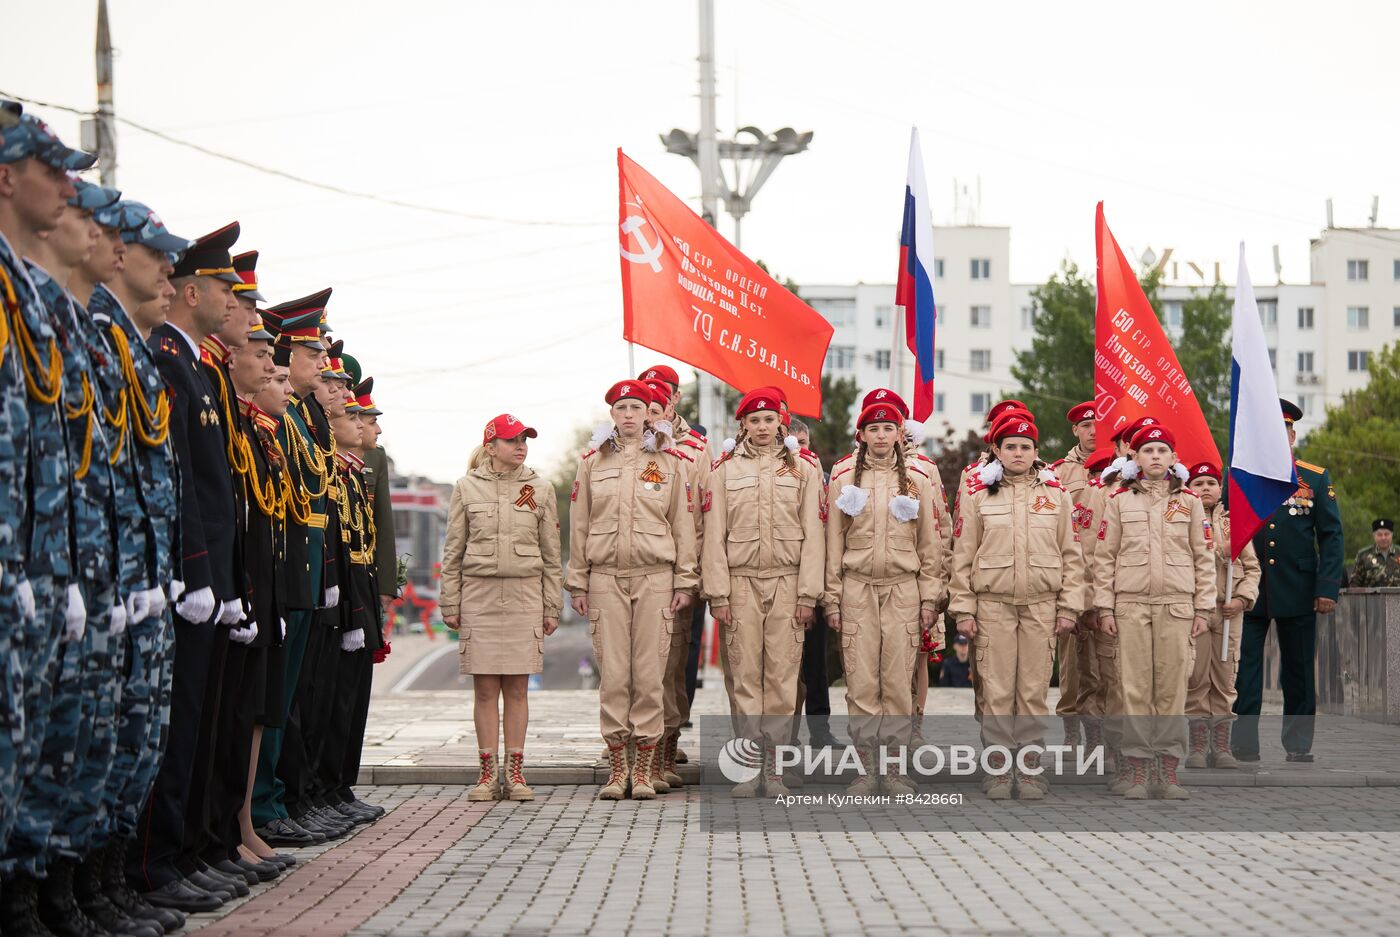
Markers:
point(690, 294)
point(1136, 372)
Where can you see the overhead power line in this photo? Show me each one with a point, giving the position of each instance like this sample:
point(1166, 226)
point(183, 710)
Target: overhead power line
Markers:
point(313, 183)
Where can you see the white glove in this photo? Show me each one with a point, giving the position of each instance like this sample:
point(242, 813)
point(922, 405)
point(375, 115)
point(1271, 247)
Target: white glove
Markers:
point(25, 593)
point(138, 606)
point(119, 619)
point(283, 623)
point(197, 607)
point(230, 613)
point(75, 614)
point(332, 597)
point(177, 589)
point(353, 640)
point(157, 602)
point(244, 635)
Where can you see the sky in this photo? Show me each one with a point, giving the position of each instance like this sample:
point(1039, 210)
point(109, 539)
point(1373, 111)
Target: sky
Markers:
point(1199, 124)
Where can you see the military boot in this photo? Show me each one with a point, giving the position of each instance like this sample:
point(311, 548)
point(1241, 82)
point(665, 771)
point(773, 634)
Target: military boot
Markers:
point(1093, 735)
point(58, 909)
point(1221, 756)
point(999, 781)
point(1071, 732)
point(119, 891)
point(488, 781)
point(616, 786)
point(1138, 771)
point(869, 782)
point(87, 891)
point(513, 786)
point(642, 787)
point(1031, 784)
point(19, 903)
point(1168, 787)
point(1199, 735)
point(668, 760)
point(773, 785)
point(1122, 777)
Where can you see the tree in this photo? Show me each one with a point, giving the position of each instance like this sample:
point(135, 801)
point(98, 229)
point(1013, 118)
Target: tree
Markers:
point(1204, 354)
point(562, 475)
point(1359, 444)
point(1058, 370)
point(831, 435)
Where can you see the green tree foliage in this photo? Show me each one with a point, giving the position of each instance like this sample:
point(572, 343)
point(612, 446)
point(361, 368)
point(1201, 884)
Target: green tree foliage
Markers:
point(1204, 353)
point(1360, 446)
point(1058, 370)
point(831, 436)
point(561, 475)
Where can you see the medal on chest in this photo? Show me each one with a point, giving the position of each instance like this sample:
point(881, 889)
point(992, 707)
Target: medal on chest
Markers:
point(1302, 501)
point(651, 477)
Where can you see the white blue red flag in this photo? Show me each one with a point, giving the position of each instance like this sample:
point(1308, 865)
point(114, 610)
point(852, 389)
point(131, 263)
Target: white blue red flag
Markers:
point(1262, 474)
point(914, 285)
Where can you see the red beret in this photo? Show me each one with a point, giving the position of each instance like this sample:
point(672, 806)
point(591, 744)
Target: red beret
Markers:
point(1013, 413)
point(886, 396)
point(1153, 433)
point(1082, 412)
point(777, 392)
point(1126, 433)
point(880, 413)
point(660, 390)
point(1099, 461)
point(1201, 469)
point(661, 372)
point(506, 426)
point(1012, 424)
point(761, 398)
point(1003, 407)
point(636, 390)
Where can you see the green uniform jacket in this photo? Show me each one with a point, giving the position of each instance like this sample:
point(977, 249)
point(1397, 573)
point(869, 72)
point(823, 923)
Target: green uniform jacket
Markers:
point(1300, 549)
point(1375, 569)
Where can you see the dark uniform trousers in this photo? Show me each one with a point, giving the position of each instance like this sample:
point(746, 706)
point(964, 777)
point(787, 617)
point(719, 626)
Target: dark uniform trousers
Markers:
point(1297, 641)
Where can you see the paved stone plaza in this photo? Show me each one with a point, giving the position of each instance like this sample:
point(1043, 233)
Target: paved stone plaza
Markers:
point(1278, 849)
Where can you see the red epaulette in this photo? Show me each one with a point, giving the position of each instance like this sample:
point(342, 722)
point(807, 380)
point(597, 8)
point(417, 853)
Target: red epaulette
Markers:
point(720, 461)
point(811, 457)
point(692, 432)
point(975, 485)
point(678, 454)
point(1055, 483)
point(692, 444)
point(1095, 482)
point(1187, 491)
point(1117, 493)
point(915, 468)
point(837, 473)
point(589, 453)
point(920, 456)
point(1057, 464)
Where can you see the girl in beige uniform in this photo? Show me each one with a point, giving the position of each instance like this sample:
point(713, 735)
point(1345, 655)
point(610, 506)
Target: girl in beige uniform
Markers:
point(1154, 580)
point(885, 579)
point(631, 570)
point(763, 555)
point(501, 591)
point(1018, 581)
point(1210, 691)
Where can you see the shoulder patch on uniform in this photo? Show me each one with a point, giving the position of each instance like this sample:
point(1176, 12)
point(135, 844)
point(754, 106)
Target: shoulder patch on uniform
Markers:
point(678, 454)
point(1310, 467)
point(167, 345)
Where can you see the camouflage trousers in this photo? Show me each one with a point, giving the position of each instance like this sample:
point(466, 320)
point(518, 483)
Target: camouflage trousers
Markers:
point(141, 723)
point(11, 705)
point(41, 661)
point(94, 674)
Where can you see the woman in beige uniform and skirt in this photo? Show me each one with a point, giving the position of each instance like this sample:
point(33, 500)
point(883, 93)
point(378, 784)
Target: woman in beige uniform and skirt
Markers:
point(502, 591)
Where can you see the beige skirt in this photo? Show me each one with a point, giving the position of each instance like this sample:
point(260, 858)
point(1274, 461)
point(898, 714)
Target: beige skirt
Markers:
point(502, 629)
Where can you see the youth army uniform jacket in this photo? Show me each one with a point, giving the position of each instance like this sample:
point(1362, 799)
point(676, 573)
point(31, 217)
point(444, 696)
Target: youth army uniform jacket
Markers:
point(1017, 567)
point(1077, 653)
point(1211, 689)
point(880, 572)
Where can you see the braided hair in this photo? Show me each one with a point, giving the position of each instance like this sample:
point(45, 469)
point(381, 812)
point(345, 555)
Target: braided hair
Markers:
point(784, 453)
point(905, 486)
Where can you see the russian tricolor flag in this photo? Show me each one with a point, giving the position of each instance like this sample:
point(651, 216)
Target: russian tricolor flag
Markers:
point(914, 285)
point(1262, 474)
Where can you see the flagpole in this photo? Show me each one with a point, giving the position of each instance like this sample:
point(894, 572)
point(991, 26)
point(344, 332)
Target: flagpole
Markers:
point(1229, 589)
point(894, 350)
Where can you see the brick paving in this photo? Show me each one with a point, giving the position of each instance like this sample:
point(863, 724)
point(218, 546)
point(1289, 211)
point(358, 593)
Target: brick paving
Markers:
point(567, 864)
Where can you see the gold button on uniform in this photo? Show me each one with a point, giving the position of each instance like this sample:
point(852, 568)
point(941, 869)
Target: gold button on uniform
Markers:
point(1271, 543)
point(1271, 562)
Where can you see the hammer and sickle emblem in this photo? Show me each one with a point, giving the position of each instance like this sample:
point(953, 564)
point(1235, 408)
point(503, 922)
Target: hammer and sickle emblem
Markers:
point(650, 253)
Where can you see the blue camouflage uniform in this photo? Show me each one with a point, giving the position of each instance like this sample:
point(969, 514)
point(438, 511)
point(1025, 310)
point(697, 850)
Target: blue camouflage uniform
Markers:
point(45, 534)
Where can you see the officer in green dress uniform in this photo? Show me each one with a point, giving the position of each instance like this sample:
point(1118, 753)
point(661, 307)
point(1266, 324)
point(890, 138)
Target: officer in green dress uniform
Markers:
point(1378, 565)
point(1300, 555)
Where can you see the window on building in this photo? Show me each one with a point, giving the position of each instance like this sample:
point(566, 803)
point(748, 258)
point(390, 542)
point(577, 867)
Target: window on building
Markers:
point(841, 357)
point(981, 268)
point(1268, 313)
point(981, 403)
point(1305, 362)
point(1395, 316)
point(940, 403)
point(981, 359)
point(884, 315)
point(839, 312)
point(1273, 358)
point(1028, 316)
point(882, 359)
point(1358, 317)
point(981, 317)
point(1305, 403)
point(939, 314)
point(938, 268)
point(1358, 360)
point(1305, 317)
point(1358, 270)
point(1172, 315)
point(1395, 269)
point(939, 356)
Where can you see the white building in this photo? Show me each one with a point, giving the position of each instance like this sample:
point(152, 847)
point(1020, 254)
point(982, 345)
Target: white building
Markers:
point(1320, 334)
